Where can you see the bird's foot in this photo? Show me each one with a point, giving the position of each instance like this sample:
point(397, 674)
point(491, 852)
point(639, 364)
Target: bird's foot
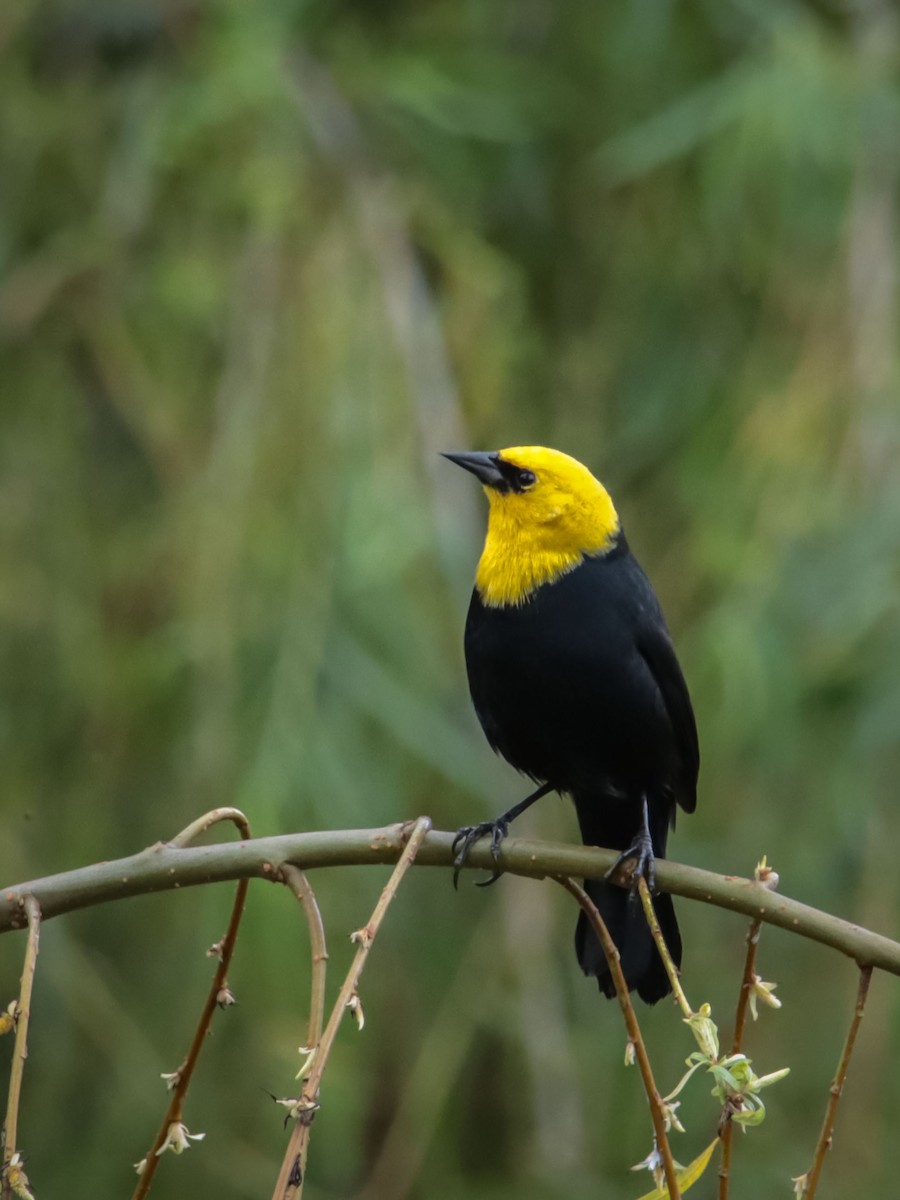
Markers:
point(641, 853)
point(467, 837)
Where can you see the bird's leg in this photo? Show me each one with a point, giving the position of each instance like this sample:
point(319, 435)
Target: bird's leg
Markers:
point(641, 850)
point(498, 829)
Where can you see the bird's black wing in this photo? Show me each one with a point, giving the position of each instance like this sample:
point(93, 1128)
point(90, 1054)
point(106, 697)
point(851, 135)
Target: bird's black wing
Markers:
point(658, 653)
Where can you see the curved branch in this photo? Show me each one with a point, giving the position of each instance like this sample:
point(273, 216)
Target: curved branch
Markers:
point(162, 867)
point(635, 1038)
point(218, 996)
point(294, 1161)
point(291, 1177)
point(11, 1158)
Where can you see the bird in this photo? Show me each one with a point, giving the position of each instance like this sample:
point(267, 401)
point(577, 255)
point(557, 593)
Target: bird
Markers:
point(576, 683)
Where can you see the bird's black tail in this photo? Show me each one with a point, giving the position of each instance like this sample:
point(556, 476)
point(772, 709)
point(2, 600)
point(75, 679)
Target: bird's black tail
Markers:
point(614, 823)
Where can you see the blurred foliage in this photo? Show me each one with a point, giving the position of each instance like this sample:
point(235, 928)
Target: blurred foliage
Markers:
point(260, 262)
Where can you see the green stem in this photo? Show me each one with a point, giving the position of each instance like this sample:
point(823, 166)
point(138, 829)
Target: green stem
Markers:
point(294, 1161)
point(668, 963)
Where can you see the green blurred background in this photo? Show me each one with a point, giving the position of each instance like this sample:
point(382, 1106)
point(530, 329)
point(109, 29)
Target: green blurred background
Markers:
point(260, 263)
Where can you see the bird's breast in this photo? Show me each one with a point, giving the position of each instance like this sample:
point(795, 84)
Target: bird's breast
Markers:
point(561, 688)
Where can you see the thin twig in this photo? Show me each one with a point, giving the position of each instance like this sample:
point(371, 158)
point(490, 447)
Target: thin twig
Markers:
point(747, 982)
point(668, 963)
point(291, 1176)
point(203, 824)
point(20, 1048)
point(218, 995)
point(161, 868)
point(726, 1127)
point(807, 1184)
point(299, 885)
point(767, 877)
point(657, 1110)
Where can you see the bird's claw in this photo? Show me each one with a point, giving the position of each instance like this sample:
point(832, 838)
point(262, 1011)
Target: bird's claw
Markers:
point(467, 837)
point(641, 852)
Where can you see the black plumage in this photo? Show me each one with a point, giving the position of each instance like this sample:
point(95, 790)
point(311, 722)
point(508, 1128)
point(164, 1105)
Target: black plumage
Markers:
point(579, 687)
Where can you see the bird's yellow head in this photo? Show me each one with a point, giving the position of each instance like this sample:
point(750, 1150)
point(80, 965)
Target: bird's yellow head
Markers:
point(547, 512)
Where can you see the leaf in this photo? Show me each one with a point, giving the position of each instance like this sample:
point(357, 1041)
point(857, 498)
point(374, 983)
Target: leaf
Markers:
point(688, 1175)
point(753, 1114)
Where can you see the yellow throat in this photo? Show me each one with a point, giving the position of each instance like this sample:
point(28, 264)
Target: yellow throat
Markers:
point(540, 533)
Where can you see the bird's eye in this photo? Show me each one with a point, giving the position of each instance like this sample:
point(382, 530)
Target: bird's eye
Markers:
point(526, 478)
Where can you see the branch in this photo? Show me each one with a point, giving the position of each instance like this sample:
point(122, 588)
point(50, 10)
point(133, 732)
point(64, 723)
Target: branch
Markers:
point(291, 1178)
point(671, 970)
point(12, 1175)
point(172, 1132)
point(806, 1185)
point(654, 1100)
point(740, 1022)
point(294, 1163)
point(163, 867)
point(768, 878)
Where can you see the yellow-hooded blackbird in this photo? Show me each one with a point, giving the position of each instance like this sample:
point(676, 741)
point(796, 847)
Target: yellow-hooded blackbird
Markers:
point(576, 684)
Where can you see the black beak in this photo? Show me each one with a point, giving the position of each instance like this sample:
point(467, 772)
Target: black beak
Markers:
point(482, 464)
